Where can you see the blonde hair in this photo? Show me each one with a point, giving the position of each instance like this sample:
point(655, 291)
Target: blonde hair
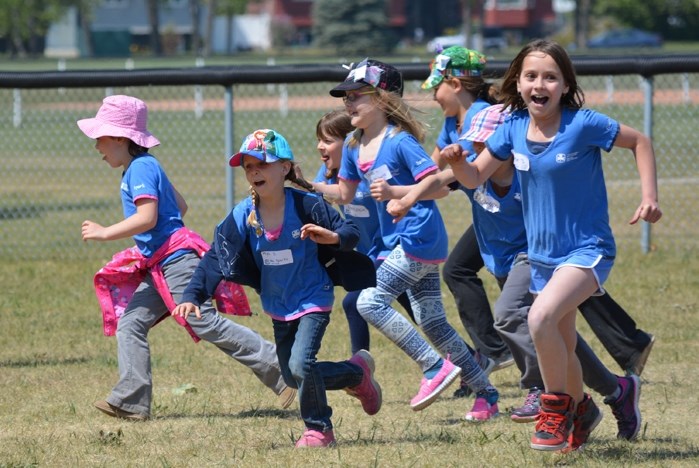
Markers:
point(398, 113)
point(291, 177)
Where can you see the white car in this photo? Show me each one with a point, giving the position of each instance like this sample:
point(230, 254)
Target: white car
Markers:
point(492, 39)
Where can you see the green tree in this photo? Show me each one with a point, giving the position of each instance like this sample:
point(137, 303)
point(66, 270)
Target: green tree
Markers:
point(674, 19)
point(352, 27)
point(25, 22)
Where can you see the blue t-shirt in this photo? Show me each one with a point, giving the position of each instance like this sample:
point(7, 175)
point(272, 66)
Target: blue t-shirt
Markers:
point(145, 178)
point(293, 282)
point(499, 225)
point(364, 212)
point(401, 160)
point(449, 133)
point(564, 195)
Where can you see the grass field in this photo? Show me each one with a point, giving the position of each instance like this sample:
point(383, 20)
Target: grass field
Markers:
point(54, 363)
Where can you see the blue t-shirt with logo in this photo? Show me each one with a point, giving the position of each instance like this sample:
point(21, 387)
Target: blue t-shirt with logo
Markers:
point(564, 194)
point(450, 134)
point(401, 160)
point(145, 178)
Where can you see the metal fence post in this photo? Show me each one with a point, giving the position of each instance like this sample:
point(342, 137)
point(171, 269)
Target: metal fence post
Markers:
point(228, 122)
point(647, 85)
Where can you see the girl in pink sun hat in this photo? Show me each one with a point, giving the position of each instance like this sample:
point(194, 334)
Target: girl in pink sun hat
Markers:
point(142, 285)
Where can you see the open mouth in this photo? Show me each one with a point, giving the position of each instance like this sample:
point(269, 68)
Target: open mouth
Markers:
point(259, 183)
point(540, 100)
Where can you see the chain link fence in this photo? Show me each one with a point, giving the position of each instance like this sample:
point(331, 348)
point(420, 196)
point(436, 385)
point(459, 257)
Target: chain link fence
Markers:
point(52, 178)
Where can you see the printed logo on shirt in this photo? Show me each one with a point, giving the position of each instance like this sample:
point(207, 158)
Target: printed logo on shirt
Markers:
point(562, 157)
point(140, 186)
point(518, 196)
point(124, 187)
point(296, 233)
point(420, 162)
point(277, 257)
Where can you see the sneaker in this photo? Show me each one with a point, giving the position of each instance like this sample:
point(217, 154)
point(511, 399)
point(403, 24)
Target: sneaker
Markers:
point(503, 362)
point(286, 397)
point(430, 389)
point(485, 407)
point(312, 438)
point(625, 408)
point(116, 412)
point(368, 392)
point(486, 364)
point(554, 422)
point(530, 409)
point(587, 417)
point(637, 367)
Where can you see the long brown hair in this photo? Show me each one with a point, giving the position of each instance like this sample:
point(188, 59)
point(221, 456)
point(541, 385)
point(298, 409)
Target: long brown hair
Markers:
point(398, 113)
point(334, 124)
point(477, 87)
point(574, 98)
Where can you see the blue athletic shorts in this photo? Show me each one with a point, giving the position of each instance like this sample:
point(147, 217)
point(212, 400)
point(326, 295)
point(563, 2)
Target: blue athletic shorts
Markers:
point(600, 265)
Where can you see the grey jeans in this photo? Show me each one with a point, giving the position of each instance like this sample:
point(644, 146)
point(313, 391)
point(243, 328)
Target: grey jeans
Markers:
point(134, 391)
point(511, 311)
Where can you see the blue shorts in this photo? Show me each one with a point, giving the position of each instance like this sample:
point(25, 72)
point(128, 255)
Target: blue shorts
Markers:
point(600, 265)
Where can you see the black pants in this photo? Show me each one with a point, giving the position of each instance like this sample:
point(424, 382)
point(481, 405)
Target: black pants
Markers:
point(461, 276)
point(615, 329)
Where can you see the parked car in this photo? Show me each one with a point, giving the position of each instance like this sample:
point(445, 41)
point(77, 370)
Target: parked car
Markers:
point(628, 37)
point(492, 39)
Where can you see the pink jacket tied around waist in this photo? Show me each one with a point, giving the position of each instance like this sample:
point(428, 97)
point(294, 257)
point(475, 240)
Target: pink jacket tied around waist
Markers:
point(116, 282)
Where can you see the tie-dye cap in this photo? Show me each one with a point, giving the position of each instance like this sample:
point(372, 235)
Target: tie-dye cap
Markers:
point(265, 145)
point(455, 61)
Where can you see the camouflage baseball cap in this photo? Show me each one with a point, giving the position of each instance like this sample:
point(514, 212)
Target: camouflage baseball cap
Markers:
point(455, 61)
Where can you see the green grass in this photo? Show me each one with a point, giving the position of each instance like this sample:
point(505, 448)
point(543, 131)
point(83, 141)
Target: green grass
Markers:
point(54, 363)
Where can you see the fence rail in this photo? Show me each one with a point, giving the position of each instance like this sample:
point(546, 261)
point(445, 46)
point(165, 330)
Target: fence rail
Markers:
point(52, 178)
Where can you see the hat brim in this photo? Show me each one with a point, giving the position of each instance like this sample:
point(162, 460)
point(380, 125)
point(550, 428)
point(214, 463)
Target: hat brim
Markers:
point(95, 128)
point(237, 159)
point(341, 89)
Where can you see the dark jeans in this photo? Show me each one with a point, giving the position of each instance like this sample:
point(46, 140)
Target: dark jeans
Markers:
point(615, 329)
point(358, 328)
point(461, 276)
point(298, 343)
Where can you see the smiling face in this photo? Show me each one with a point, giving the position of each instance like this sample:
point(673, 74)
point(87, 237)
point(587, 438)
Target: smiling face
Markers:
point(361, 107)
point(330, 149)
point(447, 96)
point(114, 151)
point(265, 178)
point(541, 84)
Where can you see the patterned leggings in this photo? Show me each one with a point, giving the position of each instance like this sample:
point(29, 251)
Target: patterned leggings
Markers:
point(400, 273)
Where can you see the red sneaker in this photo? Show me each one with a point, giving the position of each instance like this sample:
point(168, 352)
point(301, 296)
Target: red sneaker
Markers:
point(554, 422)
point(587, 417)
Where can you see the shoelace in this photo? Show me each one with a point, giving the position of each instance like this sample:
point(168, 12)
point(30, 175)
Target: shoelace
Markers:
point(532, 399)
point(551, 423)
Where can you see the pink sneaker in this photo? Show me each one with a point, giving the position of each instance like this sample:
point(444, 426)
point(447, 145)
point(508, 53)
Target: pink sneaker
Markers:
point(430, 389)
point(368, 392)
point(312, 438)
point(485, 406)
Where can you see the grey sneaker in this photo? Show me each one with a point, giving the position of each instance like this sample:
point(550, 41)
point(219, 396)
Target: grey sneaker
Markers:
point(503, 362)
point(486, 364)
point(530, 409)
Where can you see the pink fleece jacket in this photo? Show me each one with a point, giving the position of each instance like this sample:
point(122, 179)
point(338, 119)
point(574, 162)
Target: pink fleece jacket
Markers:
point(116, 282)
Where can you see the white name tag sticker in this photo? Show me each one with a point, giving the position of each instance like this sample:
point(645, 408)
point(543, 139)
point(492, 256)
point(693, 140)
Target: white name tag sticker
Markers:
point(277, 257)
point(381, 172)
point(358, 211)
point(521, 162)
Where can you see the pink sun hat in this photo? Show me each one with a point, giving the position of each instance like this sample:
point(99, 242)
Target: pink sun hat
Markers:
point(120, 116)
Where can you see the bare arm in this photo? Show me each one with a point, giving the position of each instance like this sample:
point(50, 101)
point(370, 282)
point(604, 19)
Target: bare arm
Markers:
point(438, 159)
point(642, 148)
point(145, 218)
point(470, 174)
point(430, 187)
point(181, 202)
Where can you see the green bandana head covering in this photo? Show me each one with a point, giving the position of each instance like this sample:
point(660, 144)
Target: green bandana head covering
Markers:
point(455, 61)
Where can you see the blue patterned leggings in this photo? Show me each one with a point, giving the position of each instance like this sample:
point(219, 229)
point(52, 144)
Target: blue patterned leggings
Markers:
point(420, 281)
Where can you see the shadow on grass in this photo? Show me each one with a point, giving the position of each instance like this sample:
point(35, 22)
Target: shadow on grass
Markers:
point(38, 361)
point(251, 413)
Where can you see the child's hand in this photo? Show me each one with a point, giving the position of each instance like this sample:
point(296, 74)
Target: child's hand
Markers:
point(380, 190)
point(319, 235)
point(453, 154)
point(184, 309)
point(92, 231)
point(648, 211)
point(398, 208)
